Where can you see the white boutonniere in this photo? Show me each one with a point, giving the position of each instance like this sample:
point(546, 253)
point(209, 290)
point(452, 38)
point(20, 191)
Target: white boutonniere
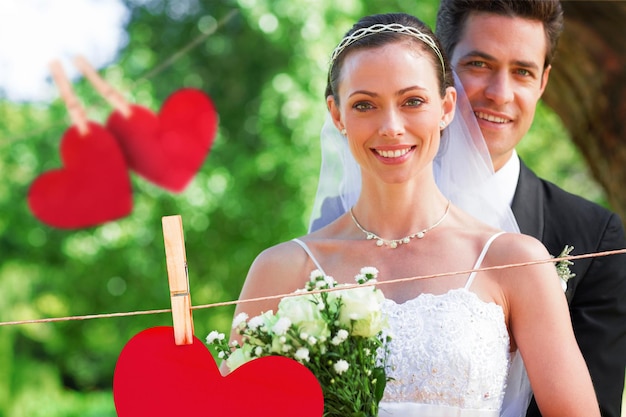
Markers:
point(562, 267)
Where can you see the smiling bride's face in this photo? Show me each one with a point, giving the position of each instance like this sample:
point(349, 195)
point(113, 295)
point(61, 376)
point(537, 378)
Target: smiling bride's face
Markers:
point(391, 108)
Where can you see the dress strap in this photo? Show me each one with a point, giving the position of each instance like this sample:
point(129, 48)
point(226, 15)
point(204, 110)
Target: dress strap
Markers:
point(308, 251)
point(480, 259)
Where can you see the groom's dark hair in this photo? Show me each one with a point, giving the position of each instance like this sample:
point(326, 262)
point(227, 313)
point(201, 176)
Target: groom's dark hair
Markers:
point(453, 14)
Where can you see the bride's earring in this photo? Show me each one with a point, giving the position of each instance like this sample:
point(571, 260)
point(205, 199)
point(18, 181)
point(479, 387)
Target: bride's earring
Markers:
point(343, 132)
point(442, 124)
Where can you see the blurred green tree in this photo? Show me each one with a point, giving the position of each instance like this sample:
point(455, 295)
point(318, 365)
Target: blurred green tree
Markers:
point(265, 69)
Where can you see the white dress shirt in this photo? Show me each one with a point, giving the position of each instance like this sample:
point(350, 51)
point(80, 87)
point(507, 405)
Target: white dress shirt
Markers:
point(507, 177)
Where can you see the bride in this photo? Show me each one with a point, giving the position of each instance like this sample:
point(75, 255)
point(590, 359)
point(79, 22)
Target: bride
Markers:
point(455, 338)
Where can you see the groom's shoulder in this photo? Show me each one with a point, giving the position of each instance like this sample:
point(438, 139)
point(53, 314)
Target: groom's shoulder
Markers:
point(567, 211)
point(572, 203)
point(560, 200)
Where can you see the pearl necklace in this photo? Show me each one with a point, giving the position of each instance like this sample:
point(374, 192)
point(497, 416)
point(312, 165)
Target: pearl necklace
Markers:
point(395, 242)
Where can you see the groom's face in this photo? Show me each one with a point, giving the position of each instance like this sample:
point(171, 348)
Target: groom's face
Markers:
point(500, 62)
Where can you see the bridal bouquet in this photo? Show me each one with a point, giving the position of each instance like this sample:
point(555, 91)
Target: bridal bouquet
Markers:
point(337, 334)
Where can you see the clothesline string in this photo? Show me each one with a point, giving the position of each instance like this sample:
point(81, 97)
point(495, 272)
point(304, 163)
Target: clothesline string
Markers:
point(185, 49)
point(154, 71)
point(279, 296)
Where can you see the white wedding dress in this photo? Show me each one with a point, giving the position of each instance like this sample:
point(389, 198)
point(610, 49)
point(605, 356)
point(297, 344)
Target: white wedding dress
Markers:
point(450, 356)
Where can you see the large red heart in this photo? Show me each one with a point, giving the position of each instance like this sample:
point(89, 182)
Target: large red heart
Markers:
point(154, 378)
point(91, 189)
point(170, 148)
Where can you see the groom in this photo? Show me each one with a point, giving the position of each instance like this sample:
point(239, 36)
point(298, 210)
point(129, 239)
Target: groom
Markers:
point(502, 51)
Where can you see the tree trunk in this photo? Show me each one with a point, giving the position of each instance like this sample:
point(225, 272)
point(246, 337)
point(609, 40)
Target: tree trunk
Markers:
point(587, 89)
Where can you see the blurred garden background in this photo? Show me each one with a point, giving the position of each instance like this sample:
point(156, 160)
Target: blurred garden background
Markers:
point(263, 63)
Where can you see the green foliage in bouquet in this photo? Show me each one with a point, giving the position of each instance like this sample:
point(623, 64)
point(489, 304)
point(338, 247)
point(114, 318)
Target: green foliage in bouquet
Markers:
point(335, 332)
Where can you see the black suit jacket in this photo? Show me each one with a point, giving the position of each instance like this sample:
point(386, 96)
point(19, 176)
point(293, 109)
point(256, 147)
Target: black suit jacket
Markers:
point(597, 294)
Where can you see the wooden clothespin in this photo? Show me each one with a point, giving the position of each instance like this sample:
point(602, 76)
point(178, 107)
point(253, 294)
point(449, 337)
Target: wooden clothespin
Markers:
point(75, 110)
point(112, 96)
point(178, 279)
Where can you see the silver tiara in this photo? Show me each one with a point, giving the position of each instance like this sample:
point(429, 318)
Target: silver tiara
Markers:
point(381, 28)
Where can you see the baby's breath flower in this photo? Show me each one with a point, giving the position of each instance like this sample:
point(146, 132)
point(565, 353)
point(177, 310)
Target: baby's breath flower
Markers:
point(370, 270)
point(315, 274)
point(213, 336)
point(341, 366)
point(360, 279)
point(302, 354)
point(281, 326)
point(258, 351)
point(340, 337)
point(312, 340)
point(255, 322)
point(221, 354)
point(367, 274)
point(239, 320)
point(330, 281)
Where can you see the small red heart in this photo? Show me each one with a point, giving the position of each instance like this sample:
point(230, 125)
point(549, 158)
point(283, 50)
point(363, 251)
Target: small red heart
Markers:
point(154, 377)
point(91, 189)
point(170, 148)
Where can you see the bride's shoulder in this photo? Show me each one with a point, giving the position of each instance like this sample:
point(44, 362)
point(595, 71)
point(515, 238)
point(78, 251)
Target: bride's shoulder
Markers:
point(529, 264)
point(283, 256)
point(276, 271)
point(280, 264)
point(517, 247)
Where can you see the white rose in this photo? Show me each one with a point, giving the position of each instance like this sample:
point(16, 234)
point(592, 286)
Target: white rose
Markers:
point(361, 310)
point(304, 314)
point(268, 320)
point(239, 357)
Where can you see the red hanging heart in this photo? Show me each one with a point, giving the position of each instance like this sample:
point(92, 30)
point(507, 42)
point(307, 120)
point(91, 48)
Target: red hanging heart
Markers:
point(170, 148)
point(91, 189)
point(154, 377)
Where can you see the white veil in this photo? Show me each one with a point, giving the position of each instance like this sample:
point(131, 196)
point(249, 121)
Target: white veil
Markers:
point(462, 169)
point(463, 172)
point(339, 184)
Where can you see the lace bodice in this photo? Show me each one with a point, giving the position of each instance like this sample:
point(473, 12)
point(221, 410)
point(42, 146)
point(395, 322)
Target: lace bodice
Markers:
point(450, 356)
point(450, 349)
